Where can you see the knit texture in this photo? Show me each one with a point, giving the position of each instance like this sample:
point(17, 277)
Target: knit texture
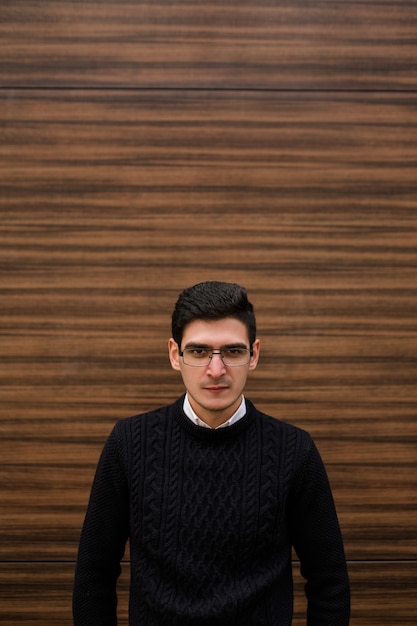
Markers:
point(212, 516)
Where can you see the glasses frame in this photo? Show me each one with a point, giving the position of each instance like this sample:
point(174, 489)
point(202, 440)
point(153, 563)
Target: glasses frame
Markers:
point(219, 353)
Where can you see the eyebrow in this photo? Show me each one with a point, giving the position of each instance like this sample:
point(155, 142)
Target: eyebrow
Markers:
point(193, 344)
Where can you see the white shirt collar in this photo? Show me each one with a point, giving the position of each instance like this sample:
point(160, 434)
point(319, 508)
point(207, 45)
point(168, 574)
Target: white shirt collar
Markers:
point(192, 415)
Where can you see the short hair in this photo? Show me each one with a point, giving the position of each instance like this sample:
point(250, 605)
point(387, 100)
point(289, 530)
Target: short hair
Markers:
point(213, 300)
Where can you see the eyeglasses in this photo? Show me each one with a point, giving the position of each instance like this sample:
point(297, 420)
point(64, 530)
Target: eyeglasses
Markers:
point(201, 357)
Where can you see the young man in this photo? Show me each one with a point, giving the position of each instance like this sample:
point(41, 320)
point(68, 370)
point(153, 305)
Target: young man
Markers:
point(213, 495)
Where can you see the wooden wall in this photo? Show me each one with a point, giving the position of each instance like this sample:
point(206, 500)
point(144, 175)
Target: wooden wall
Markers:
point(146, 146)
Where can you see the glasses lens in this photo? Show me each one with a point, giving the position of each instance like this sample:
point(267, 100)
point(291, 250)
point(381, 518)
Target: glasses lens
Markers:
point(201, 357)
point(235, 356)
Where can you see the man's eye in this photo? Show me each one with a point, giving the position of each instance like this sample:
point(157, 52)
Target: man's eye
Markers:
point(234, 352)
point(198, 352)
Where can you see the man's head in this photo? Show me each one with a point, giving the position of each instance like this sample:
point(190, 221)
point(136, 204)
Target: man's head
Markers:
point(214, 346)
point(211, 301)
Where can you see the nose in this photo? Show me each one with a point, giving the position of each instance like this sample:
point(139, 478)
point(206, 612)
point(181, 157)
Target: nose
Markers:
point(216, 365)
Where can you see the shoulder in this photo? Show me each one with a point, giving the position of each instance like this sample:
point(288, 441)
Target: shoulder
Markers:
point(280, 427)
point(151, 421)
point(132, 437)
point(289, 441)
point(153, 416)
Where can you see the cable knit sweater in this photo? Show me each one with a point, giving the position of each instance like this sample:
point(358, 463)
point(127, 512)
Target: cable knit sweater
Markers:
point(212, 516)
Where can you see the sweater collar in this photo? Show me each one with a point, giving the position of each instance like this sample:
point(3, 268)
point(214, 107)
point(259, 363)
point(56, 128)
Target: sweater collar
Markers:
point(210, 434)
point(191, 414)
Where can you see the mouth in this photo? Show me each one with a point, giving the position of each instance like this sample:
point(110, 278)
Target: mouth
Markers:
point(216, 388)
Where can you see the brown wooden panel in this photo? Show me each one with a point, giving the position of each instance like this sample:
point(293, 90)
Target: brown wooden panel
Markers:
point(383, 594)
point(239, 44)
point(41, 593)
point(111, 203)
point(334, 172)
point(112, 200)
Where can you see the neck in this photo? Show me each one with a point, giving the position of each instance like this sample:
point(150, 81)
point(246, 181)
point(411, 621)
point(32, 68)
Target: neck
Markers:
point(216, 435)
point(214, 419)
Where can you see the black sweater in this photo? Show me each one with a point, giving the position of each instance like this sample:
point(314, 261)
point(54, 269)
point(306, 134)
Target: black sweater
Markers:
point(212, 516)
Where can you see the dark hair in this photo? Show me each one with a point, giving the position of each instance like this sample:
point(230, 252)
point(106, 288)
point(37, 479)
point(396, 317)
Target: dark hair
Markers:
point(213, 300)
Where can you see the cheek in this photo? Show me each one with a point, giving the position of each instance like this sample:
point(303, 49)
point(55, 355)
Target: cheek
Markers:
point(240, 380)
point(190, 378)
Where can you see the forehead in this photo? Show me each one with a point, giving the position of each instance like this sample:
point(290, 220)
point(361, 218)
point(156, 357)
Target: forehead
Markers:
point(216, 333)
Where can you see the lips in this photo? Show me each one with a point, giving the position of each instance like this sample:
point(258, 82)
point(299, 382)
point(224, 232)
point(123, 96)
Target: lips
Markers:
point(215, 389)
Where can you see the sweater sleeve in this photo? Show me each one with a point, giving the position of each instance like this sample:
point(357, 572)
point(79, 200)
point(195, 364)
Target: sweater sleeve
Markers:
point(317, 540)
point(102, 543)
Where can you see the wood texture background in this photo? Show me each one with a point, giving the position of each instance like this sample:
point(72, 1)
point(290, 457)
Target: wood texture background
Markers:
point(146, 146)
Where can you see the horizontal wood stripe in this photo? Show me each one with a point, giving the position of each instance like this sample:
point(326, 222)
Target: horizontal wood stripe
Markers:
point(382, 594)
point(239, 44)
point(307, 200)
point(336, 171)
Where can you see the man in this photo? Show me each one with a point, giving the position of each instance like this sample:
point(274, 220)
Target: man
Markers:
point(213, 495)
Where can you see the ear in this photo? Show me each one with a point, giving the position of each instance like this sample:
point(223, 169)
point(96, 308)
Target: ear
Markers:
point(174, 354)
point(256, 347)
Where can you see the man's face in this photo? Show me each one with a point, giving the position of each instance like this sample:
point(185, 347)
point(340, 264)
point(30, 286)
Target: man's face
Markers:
point(215, 390)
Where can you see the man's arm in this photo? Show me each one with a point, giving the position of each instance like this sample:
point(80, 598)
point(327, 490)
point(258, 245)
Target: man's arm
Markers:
point(317, 540)
point(102, 544)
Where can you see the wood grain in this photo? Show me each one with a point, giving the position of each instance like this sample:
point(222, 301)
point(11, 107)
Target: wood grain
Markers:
point(236, 44)
point(148, 145)
point(334, 171)
point(130, 198)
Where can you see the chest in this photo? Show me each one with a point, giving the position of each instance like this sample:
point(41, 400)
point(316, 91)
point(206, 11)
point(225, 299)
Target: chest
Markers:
point(217, 495)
